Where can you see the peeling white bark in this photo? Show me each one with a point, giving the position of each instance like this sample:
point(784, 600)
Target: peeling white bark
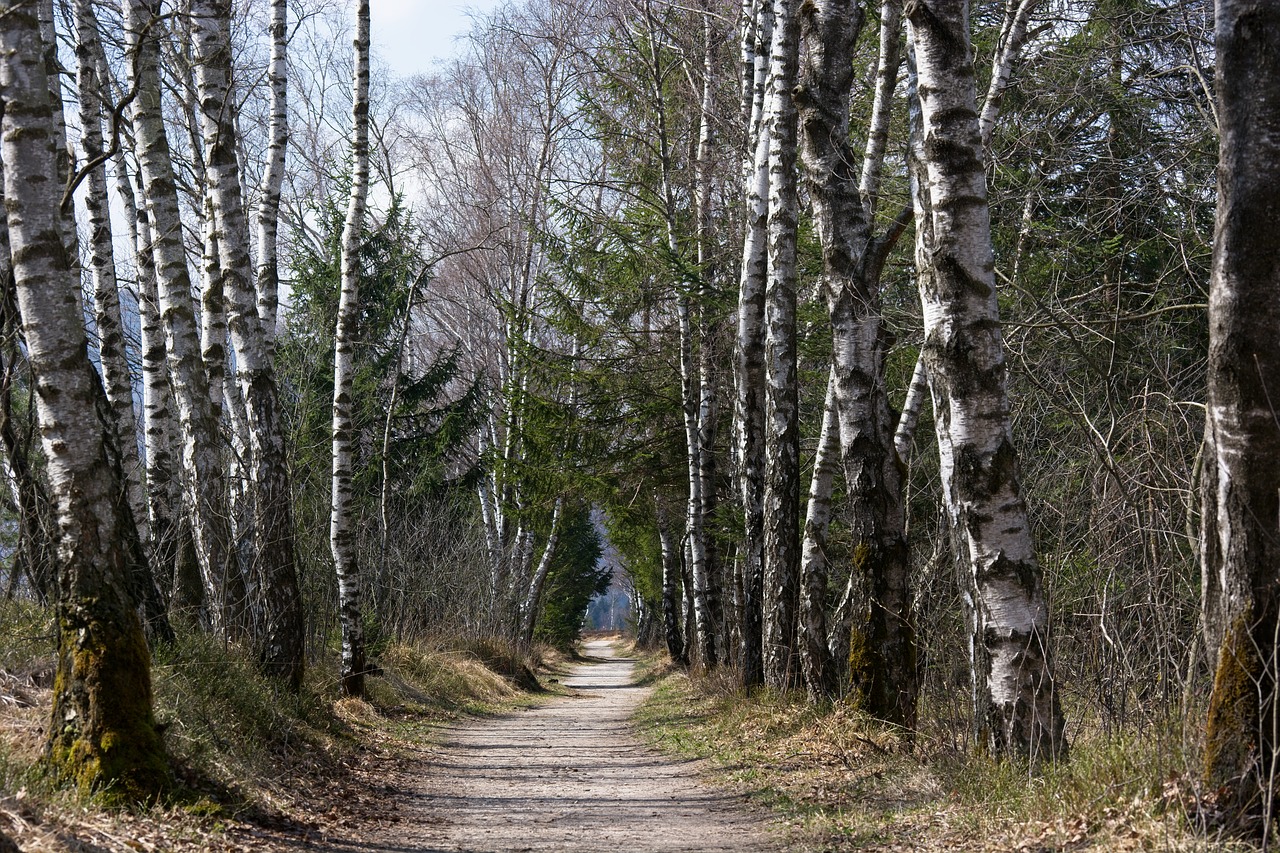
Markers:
point(815, 655)
point(1017, 705)
point(532, 601)
point(116, 378)
point(204, 481)
point(273, 174)
point(269, 496)
point(103, 686)
point(781, 425)
point(342, 521)
point(749, 357)
point(882, 672)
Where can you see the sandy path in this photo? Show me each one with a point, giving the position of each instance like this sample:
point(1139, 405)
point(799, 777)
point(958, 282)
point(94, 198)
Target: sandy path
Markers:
point(570, 776)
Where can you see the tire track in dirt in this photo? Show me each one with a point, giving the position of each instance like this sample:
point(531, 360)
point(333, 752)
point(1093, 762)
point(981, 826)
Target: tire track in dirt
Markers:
point(567, 776)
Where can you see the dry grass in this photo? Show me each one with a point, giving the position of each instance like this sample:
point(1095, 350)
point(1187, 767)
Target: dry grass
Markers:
point(842, 781)
point(439, 676)
point(257, 769)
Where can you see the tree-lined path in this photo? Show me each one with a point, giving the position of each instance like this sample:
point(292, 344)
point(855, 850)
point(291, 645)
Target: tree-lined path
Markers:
point(569, 775)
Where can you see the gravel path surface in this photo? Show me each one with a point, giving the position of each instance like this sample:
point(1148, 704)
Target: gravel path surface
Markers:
point(566, 776)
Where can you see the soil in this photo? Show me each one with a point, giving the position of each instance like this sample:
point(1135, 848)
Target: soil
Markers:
point(569, 775)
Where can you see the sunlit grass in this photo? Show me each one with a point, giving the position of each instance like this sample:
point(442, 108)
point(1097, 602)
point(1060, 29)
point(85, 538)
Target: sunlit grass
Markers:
point(242, 747)
point(840, 780)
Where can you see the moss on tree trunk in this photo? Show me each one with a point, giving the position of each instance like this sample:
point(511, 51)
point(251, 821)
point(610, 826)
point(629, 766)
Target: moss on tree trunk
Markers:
point(103, 737)
point(1239, 742)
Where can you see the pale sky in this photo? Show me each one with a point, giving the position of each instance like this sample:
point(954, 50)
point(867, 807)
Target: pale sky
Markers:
point(410, 35)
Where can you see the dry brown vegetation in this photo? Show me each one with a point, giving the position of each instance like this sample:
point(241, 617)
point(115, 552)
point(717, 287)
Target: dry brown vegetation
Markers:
point(255, 769)
point(845, 782)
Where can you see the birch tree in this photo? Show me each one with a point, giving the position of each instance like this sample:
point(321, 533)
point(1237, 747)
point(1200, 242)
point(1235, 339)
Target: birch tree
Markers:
point(670, 587)
point(176, 568)
point(203, 480)
point(504, 121)
point(1241, 483)
point(268, 218)
point(101, 731)
point(281, 641)
point(781, 399)
point(815, 654)
point(692, 393)
point(881, 647)
point(168, 531)
point(532, 599)
point(342, 522)
point(116, 378)
point(757, 25)
point(1017, 707)
point(35, 557)
point(707, 319)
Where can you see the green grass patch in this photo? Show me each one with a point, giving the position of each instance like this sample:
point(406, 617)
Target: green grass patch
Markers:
point(231, 730)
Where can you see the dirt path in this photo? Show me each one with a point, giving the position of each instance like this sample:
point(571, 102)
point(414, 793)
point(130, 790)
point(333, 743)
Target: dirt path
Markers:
point(566, 776)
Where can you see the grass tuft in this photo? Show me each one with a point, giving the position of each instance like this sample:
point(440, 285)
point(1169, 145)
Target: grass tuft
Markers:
point(251, 757)
point(842, 781)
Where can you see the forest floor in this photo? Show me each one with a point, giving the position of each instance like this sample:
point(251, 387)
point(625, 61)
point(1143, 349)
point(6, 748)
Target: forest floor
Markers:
point(599, 760)
point(558, 770)
point(568, 775)
point(837, 780)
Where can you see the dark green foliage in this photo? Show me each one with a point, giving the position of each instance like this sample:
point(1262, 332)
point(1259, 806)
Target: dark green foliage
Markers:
point(427, 433)
point(575, 578)
point(436, 408)
point(632, 531)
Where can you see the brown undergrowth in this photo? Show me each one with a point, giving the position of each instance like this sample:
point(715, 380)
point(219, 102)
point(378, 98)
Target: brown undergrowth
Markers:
point(842, 781)
point(257, 768)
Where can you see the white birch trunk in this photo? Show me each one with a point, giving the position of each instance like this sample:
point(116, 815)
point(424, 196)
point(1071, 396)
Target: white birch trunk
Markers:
point(273, 175)
point(757, 39)
point(36, 553)
point(882, 105)
point(706, 356)
point(1014, 32)
point(490, 519)
point(815, 655)
point(163, 490)
point(520, 573)
point(203, 479)
point(102, 731)
point(342, 526)
point(670, 587)
point(781, 434)
point(911, 407)
point(1018, 709)
point(749, 359)
point(169, 536)
point(64, 155)
point(213, 307)
point(116, 378)
point(695, 529)
point(881, 647)
point(1013, 36)
point(532, 601)
point(281, 644)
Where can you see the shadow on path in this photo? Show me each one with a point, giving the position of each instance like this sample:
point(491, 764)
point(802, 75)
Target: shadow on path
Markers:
point(567, 776)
